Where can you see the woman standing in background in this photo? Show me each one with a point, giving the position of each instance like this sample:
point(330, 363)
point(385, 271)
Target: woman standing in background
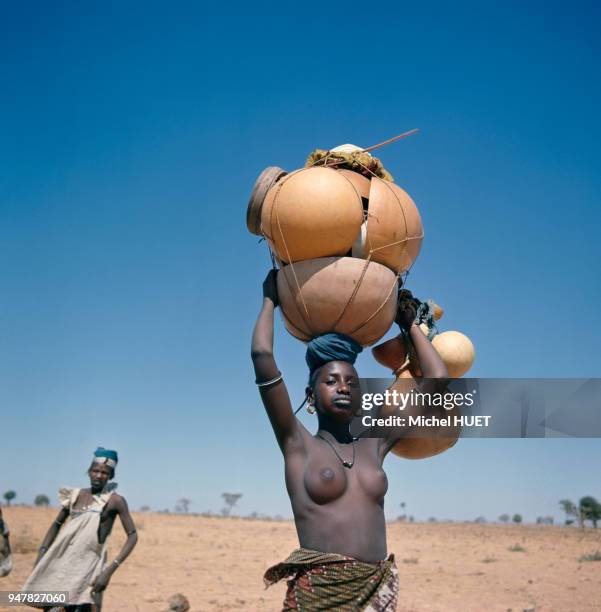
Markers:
point(73, 554)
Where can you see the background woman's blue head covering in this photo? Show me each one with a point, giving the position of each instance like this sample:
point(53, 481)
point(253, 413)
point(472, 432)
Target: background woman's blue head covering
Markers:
point(331, 347)
point(104, 455)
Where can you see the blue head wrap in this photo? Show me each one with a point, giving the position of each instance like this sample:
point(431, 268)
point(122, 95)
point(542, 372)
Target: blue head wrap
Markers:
point(331, 347)
point(104, 455)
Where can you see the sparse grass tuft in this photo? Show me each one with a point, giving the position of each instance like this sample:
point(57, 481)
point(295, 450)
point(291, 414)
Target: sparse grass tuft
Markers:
point(595, 556)
point(516, 548)
point(488, 560)
point(412, 560)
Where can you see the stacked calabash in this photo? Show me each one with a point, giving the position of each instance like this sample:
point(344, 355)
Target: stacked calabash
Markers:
point(457, 351)
point(454, 348)
point(342, 238)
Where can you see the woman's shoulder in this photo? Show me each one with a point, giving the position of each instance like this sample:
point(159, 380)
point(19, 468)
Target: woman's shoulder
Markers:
point(115, 499)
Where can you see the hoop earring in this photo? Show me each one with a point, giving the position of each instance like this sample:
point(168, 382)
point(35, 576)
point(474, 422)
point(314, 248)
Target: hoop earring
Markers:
point(310, 407)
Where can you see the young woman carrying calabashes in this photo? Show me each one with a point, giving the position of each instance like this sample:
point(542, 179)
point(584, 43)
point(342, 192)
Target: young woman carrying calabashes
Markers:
point(335, 482)
point(73, 554)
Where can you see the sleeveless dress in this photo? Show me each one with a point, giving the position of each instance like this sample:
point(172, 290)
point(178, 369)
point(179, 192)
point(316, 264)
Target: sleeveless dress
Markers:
point(75, 558)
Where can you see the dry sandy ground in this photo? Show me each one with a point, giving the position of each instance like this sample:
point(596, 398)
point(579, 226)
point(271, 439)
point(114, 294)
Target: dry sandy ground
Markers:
point(218, 564)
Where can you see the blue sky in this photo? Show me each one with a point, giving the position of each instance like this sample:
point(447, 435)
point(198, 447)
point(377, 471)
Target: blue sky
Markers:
point(130, 137)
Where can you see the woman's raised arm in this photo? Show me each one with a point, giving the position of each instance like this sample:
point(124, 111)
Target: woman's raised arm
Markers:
point(434, 377)
point(429, 361)
point(269, 379)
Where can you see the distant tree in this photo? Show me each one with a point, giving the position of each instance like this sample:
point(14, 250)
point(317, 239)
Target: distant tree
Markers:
point(402, 517)
point(183, 504)
point(516, 518)
point(432, 519)
point(590, 510)
point(41, 500)
point(411, 519)
point(540, 520)
point(571, 510)
point(9, 496)
point(145, 509)
point(504, 518)
point(480, 519)
point(549, 520)
point(230, 500)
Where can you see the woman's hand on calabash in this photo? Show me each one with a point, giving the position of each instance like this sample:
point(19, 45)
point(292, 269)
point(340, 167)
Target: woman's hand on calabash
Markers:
point(406, 309)
point(270, 288)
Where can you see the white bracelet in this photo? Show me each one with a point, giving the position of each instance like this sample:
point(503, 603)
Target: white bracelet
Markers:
point(269, 382)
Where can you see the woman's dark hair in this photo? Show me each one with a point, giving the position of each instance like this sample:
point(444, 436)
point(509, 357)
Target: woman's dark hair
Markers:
point(111, 473)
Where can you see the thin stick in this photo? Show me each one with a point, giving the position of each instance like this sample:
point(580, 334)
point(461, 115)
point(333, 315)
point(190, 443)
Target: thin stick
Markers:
point(377, 146)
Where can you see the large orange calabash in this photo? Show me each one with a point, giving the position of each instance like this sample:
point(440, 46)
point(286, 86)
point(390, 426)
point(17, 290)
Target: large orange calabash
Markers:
point(393, 354)
point(456, 350)
point(342, 294)
point(361, 183)
point(311, 213)
point(394, 230)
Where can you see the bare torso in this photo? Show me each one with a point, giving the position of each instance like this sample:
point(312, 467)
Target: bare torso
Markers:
point(338, 509)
